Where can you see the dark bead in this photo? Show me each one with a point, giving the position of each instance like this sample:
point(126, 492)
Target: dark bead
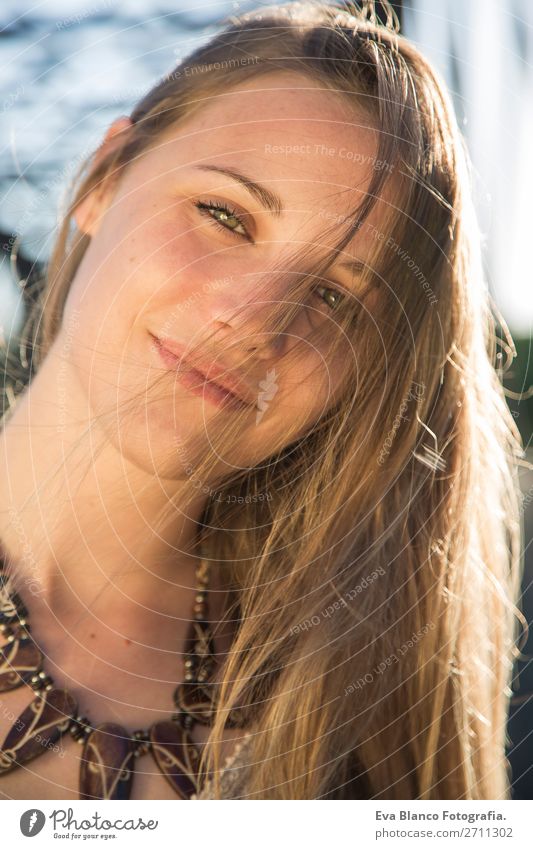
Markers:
point(20, 661)
point(81, 722)
point(142, 742)
point(141, 748)
point(41, 681)
point(184, 720)
point(141, 735)
point(80, 728)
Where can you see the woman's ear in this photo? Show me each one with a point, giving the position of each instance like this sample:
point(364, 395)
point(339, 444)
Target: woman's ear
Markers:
point(89, 211)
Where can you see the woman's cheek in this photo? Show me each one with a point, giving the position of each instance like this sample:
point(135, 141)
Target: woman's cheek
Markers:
point(180, 253)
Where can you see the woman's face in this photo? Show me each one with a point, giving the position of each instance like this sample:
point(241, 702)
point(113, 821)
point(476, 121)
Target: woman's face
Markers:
point(161, 266)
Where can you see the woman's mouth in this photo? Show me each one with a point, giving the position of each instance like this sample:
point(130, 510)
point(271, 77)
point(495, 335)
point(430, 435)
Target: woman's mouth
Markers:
point(197, 383)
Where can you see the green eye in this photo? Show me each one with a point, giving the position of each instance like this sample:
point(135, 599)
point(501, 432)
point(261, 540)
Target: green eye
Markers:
point(223, 217)
point(333, 299)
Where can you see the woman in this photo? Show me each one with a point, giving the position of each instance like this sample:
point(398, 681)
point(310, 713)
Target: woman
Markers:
point(264, 345)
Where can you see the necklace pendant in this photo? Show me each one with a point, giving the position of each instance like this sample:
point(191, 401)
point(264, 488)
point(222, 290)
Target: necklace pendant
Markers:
point(37, 728)
point(20, 659)
point(176, 756)
point(107, 763)
point(196, 700)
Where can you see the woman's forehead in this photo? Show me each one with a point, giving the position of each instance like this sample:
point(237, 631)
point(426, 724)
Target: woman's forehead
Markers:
point(303, 143)
point(284, 96)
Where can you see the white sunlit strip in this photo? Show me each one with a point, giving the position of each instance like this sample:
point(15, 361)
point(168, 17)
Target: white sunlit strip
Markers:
point(492, 83)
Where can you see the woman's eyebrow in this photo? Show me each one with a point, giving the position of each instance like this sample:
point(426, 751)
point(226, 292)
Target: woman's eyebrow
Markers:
point(268, 199)
point(354, 265)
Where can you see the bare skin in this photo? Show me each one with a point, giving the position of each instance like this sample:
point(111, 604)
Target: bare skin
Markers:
point(112, 598)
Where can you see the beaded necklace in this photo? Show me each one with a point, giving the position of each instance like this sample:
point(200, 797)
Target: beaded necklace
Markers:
point(109, 752)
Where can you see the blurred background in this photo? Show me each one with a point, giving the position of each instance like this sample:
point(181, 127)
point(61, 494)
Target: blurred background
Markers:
point(69, 67)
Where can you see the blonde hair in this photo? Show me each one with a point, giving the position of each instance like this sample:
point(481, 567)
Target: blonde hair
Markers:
point(375, 588)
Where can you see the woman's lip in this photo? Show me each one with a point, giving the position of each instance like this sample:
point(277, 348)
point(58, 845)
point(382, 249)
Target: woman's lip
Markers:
point(197, 382)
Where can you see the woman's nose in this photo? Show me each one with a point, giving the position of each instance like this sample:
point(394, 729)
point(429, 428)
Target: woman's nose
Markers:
point(250, 333)
point(252, 313)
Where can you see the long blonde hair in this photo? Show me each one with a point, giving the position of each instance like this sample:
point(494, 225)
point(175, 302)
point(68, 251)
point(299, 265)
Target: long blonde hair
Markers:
point(375, 589)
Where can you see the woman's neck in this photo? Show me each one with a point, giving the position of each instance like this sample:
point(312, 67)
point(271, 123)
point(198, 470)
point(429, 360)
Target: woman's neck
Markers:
point(77, 518)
